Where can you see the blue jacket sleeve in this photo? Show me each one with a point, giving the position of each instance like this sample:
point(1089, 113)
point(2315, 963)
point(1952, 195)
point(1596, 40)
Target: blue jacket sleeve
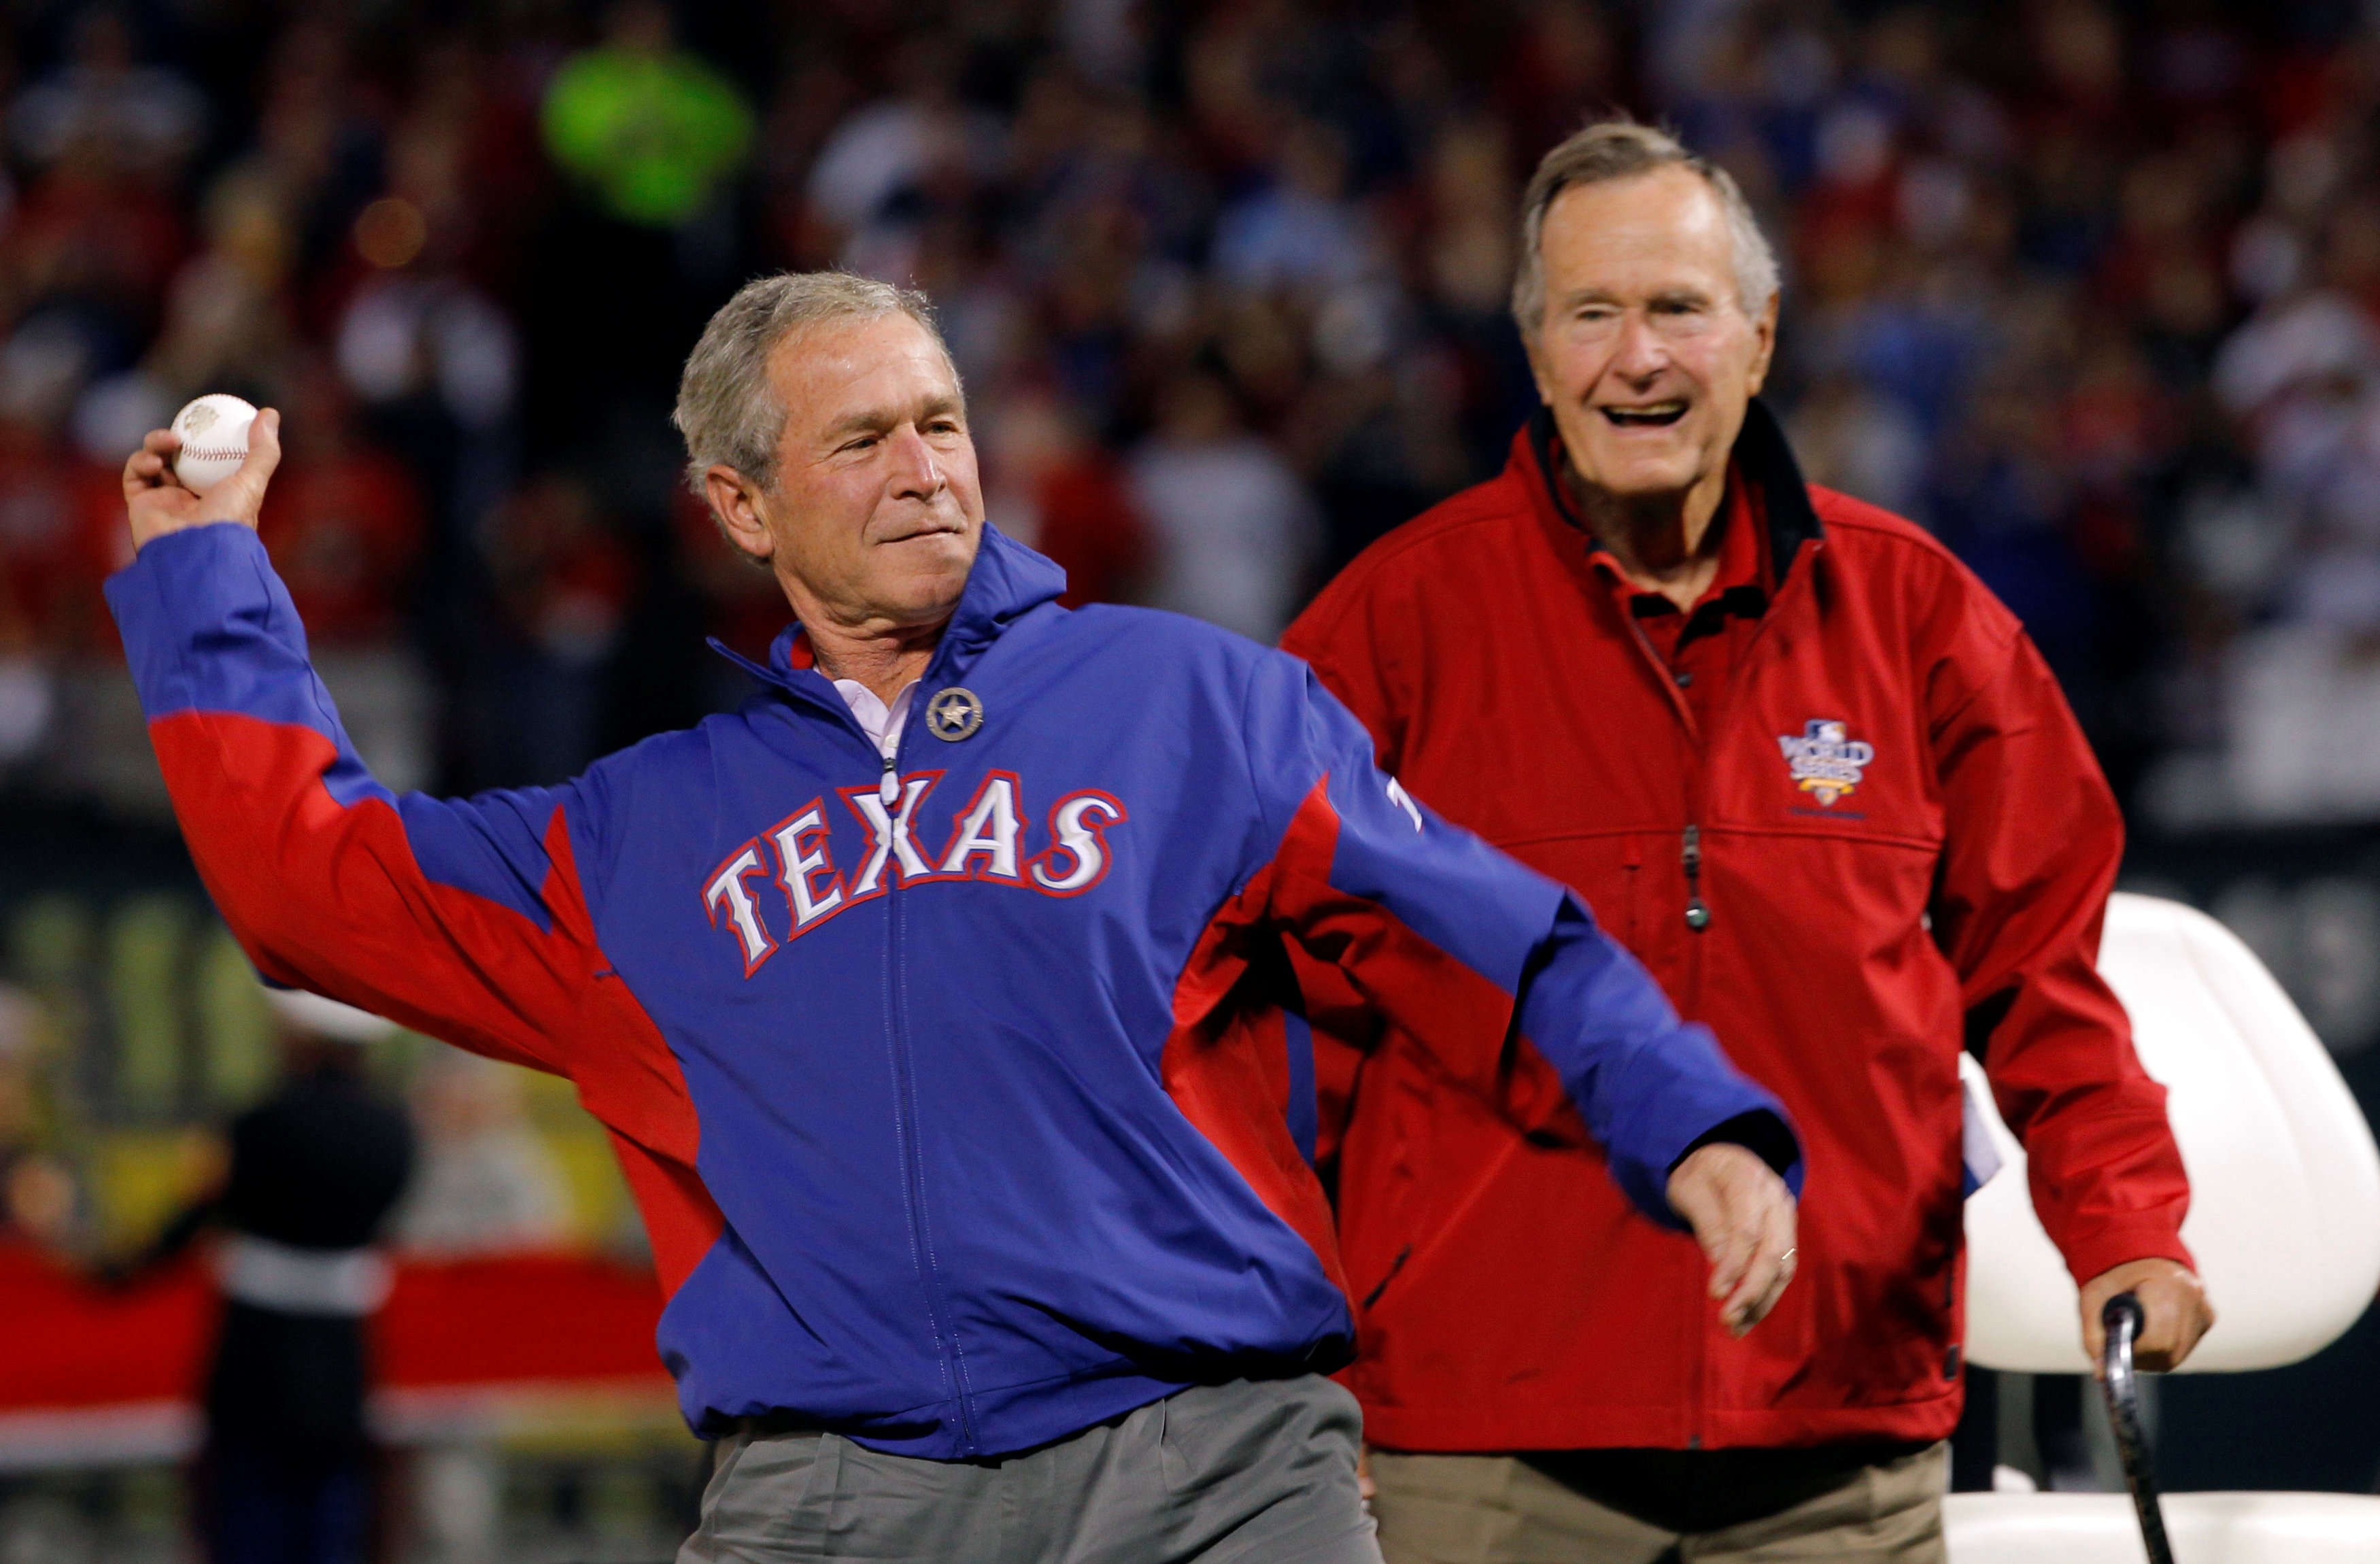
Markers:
point(464, 920)
point(1500, 971)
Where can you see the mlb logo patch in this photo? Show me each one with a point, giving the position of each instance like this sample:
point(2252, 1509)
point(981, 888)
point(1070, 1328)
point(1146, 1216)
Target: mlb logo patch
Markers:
point(1825, 761)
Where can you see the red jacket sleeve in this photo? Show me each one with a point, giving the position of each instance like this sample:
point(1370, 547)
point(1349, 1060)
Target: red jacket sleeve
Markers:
point(2033, 842)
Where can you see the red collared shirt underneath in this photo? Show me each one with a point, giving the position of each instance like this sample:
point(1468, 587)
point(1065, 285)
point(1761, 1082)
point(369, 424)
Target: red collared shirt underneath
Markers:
point(1700, 648)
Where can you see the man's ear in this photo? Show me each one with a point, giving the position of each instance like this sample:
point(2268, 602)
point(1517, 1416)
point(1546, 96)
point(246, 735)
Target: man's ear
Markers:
point(1764, 343)
point(1537, 370)
point(735, 501)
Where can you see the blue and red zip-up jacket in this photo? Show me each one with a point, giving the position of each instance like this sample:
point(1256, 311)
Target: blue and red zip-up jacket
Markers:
point(958, 1124)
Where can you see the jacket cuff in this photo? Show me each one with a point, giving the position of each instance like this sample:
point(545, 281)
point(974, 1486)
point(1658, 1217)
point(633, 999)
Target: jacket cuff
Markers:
point(2111, 1243)
point(1735, 1110)
point(1763, 1134)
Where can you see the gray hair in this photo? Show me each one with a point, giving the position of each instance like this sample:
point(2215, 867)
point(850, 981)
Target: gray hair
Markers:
point(726, 409)
point(1622, 148)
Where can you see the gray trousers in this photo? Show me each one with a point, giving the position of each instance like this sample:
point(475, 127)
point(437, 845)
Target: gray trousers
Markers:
point(1258, 1471)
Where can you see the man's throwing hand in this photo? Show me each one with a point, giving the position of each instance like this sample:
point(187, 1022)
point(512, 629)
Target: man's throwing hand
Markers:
point(1742, 1216)
point(160, 504)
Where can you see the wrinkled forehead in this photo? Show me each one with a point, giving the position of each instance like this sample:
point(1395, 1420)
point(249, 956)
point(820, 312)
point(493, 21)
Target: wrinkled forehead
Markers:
point(830, 372)
point(1662, 230)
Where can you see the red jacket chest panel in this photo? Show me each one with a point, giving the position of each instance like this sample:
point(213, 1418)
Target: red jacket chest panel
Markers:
point(1559, 723)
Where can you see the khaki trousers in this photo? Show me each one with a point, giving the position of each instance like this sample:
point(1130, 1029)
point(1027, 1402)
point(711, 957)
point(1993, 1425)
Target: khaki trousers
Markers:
point(1507, 1509)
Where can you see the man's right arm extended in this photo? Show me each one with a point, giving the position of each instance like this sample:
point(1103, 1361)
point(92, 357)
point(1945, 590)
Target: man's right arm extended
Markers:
point(463, 920)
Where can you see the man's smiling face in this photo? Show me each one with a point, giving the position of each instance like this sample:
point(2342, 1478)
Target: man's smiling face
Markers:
point(1645, 351)
point(877, 510)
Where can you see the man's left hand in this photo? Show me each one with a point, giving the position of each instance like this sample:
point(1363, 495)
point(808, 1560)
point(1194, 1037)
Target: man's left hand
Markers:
point(2173, 1302)
point(1744, 1216)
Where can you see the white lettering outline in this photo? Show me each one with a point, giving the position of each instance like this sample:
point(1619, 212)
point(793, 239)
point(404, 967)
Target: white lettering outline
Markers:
point(797, 867)
point(999, 803)
point(726, 885)
point(1083, 840)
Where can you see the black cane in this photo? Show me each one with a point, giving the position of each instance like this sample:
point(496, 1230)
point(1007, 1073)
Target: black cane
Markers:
point(2123, 1318)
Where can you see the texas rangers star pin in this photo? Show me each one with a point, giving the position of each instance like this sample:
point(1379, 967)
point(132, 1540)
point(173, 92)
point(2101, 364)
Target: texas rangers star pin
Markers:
point(955, 713)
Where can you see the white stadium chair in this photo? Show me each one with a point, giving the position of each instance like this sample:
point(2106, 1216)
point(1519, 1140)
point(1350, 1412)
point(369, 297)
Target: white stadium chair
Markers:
point(2284, 1219)
point(2205, 1529)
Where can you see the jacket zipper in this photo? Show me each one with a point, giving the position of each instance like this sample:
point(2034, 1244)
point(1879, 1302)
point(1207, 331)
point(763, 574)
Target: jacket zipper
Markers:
point(1697, 914)
point(905, 1093)
point(1697, 919)
point(913, 1163)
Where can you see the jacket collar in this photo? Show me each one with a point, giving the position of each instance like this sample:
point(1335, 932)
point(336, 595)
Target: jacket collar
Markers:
point(1007, 582)
point(1762, 458)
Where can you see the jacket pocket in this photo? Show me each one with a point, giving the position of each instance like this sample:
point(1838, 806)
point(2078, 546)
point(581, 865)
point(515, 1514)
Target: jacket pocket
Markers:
point(1626, 920)
point(1606, 869)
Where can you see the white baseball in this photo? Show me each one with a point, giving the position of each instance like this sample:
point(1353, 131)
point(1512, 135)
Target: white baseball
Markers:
point(215, 439)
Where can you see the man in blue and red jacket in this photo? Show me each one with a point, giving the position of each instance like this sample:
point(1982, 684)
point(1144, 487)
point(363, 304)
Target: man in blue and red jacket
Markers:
point(945, 1004)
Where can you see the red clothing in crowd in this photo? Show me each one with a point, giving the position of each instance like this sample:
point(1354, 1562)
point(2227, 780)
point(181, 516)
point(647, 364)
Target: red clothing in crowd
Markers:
point(62, 533)
point(1091, 527)
point(343, 531)
point(1866, 834)
point(747, 606)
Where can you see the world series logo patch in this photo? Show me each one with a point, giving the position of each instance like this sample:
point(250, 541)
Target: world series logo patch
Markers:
point(1826, 762)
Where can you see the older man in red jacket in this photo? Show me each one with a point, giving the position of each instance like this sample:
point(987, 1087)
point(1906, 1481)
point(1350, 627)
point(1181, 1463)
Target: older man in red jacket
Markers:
point(1815, 776)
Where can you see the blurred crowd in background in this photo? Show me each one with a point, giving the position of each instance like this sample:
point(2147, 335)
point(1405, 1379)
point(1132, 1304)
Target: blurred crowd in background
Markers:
point(2088, 289)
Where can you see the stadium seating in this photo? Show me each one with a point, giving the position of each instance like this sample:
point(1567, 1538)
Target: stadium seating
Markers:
point(2284, 1220)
